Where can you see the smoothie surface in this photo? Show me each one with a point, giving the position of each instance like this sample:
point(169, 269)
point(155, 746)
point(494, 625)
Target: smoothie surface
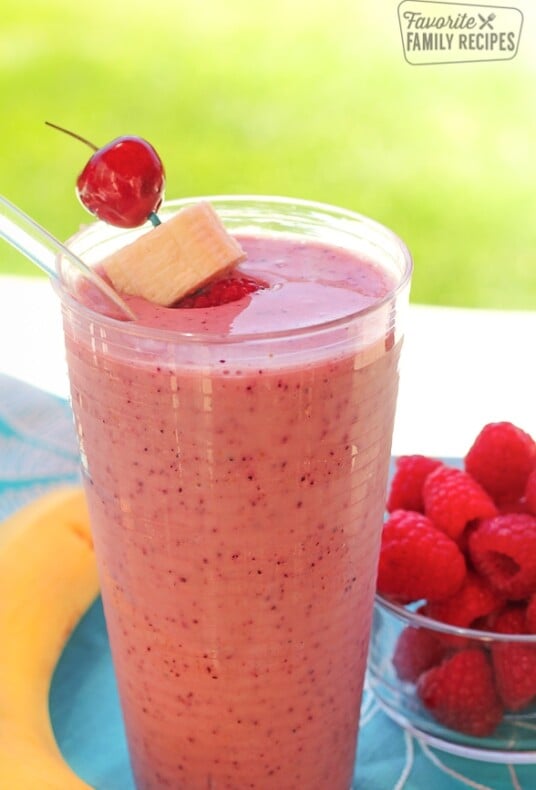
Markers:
point(309, 283)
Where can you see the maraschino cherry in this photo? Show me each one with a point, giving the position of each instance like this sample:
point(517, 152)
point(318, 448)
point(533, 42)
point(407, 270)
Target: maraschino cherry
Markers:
point(123, 182)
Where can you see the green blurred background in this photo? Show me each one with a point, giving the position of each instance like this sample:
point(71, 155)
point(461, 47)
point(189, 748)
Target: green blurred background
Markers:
point(309, 99)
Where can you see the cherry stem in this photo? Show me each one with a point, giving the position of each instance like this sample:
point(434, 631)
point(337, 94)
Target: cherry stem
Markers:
point(154, 219)
point(72, 134)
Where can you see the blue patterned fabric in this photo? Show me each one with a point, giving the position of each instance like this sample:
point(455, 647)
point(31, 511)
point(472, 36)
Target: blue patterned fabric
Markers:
point(37, 452)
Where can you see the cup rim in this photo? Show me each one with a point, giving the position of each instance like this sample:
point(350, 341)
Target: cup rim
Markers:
point(413, 618)
point(131, 327)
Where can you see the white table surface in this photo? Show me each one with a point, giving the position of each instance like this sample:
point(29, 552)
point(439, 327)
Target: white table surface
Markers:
point(460, 368)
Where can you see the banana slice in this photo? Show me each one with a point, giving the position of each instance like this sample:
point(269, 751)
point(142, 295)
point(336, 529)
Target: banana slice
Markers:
point(175, 258)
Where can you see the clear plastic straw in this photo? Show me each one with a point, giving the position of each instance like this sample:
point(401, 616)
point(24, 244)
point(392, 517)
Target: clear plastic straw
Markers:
point(43, 249)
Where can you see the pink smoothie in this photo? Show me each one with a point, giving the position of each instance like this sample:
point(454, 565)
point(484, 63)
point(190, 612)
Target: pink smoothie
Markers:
point(237, 497)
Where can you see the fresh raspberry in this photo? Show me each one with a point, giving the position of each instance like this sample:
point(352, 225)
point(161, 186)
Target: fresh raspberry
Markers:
point(501, 459)
point(514, 663)
point(417, 560)
point(511, 620)
point(460, 693)
point(452, 498)
point(530, 615)
point(406, 486)
point(503, 549)
point(475, 599)
point(417, 649)
point(222, 291)
point(530, 493)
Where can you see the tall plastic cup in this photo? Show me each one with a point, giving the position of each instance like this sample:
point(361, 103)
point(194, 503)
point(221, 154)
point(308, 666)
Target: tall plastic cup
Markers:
point(236, 489)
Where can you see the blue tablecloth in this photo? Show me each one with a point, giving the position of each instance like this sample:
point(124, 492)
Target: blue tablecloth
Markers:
point(37, 452)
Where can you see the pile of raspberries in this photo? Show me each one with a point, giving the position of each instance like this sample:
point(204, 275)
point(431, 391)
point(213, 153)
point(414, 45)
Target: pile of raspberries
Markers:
point(462, 544)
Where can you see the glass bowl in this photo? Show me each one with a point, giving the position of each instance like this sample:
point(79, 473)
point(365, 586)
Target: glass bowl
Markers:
point(513, 741)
